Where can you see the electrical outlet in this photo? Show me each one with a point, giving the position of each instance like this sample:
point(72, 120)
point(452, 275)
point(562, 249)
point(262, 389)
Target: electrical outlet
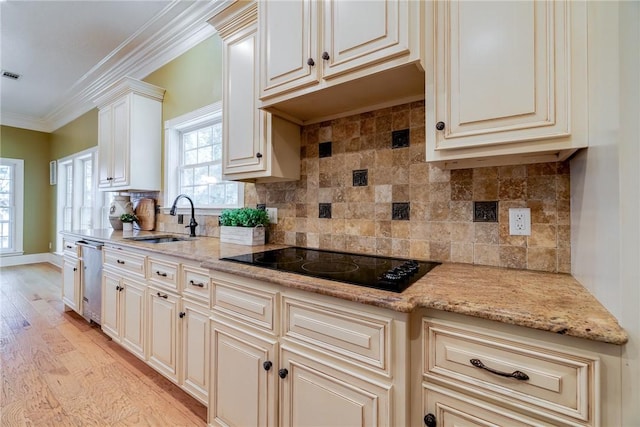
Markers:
point(520, 221)
point(273, 215)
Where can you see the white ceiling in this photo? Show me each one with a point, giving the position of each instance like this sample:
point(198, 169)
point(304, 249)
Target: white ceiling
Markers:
point(68, 51)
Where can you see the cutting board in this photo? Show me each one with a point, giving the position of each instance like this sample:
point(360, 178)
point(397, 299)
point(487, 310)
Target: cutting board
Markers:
point(146, 213)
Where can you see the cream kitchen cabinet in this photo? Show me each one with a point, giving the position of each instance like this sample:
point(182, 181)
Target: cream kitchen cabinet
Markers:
point(124, 312)
point(164, 332)
point(506, 83)
point(479, 372)
point(256, 146)
point(194, 366)
point(71, 276)
point(129, 136)
point(294, 349)
point(317, 57)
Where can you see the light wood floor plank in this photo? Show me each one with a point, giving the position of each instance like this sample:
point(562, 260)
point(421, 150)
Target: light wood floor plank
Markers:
point(59, 370)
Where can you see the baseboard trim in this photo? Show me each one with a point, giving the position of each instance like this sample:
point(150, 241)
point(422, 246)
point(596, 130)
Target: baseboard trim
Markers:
point(51, 258)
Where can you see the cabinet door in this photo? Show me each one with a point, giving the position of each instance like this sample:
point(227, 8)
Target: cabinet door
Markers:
point(451, 409)
point(110, 305)
point(243, 392)
point(71, 283)
point(195, 350)
point(318, 394)
point(501, 72)
point(288, 44)
point(105, 146)
point(163, 332)
point(133, 310)
point(360, 33)
point(243, 147)
point(121, 134)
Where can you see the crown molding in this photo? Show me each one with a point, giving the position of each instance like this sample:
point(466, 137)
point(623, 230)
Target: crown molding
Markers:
point(165, 38)
point(24, 122)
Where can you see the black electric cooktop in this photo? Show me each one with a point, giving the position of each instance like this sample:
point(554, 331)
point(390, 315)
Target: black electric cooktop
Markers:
point(389, 274)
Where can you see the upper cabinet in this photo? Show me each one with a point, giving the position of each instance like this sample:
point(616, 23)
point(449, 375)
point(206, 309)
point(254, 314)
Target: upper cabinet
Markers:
point(506, 82)
point(256, 146)
point(320, 59)
point(129, 136)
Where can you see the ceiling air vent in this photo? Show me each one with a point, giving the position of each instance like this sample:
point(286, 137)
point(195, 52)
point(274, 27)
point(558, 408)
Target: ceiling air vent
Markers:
point(10, 75)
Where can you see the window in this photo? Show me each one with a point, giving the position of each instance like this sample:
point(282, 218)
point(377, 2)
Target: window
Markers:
point(80, 205)
point(11, 205)
point(193, 161)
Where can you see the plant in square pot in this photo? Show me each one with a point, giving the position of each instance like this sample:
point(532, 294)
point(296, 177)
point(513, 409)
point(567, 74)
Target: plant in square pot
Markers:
point(127, 221)
point(244, 226)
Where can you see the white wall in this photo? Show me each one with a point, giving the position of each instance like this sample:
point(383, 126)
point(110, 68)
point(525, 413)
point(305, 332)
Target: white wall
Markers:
point(605, 183)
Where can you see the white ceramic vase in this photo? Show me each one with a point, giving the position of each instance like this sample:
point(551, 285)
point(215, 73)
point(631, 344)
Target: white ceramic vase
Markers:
point(120, 205)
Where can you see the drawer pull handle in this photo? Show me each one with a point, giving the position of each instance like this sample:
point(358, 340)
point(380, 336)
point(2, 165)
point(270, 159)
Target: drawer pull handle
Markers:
point(515, 374)
point(161, 274)
point(120, 261)
point(165, 296)
point(192, 283)
point(69, 247)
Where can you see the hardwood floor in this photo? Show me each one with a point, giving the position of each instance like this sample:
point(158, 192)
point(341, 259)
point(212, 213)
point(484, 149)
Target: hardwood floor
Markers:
point(58, 370)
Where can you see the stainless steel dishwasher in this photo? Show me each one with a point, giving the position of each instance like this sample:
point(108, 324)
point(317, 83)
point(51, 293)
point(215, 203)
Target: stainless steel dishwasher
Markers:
point(91, 255)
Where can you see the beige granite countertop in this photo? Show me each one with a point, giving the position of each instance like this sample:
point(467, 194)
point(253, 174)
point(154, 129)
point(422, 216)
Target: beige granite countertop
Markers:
point(545, 301)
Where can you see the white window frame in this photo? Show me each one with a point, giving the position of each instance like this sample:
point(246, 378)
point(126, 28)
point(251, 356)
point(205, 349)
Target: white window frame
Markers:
point(77, 160)
point(172, 158)
point(18, 207)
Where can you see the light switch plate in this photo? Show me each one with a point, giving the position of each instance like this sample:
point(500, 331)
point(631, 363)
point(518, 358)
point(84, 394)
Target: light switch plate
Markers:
point(273, 215)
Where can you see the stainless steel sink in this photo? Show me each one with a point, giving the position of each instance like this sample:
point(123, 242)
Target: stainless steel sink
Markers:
point(159, 239)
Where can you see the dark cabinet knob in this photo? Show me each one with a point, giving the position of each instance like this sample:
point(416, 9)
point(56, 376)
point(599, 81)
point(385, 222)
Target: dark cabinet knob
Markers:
point(259, 155)
point(117, 288)
point(75, 268)
point(325, 56)
point(120, 288)
point(311, 62)
point(182, 314)
point(282, 373)
point(430, 420)
point(440, 125)
point(267, 365)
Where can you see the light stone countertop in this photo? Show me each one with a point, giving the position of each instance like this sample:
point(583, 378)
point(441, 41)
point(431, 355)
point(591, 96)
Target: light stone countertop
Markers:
point(538, 300)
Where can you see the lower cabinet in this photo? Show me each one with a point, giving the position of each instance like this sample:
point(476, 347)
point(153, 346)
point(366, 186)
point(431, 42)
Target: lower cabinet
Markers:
point(124, 311)
point(281, 357)
point(164, 332)
point(244, 366)
point(194, 366)
point(71, 283)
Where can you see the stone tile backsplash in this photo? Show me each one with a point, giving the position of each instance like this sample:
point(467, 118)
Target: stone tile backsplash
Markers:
point(365, 187)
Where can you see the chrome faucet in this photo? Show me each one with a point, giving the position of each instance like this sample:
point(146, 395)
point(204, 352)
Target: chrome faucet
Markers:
point(192, 223)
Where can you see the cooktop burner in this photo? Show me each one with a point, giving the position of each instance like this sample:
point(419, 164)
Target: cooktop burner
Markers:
point(390, 274)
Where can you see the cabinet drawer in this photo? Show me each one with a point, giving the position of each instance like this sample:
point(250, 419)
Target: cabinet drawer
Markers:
point(241, 300)
point(126, 261)
point(70, 248)
point(554, 382)
point(164, 273)
point(195, 283)
point(357, 335)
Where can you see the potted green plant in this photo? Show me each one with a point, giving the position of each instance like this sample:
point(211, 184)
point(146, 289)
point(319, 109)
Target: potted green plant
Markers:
point(127, 221)
point(244, 226)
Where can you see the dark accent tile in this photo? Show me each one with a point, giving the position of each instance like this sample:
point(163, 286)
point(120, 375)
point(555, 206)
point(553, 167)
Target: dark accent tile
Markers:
point(261, 206)
point(400, 211)
point(361, 178)
point(324, 149)
point(400, 138)
point(324, 210)
point(485, 211)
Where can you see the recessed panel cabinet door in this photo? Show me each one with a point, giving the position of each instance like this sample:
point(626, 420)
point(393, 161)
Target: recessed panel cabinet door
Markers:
point(163, 332)
point(120, 152)
point(243, 146)
point(195, 349)
point(501, 72)
point(105, 130)
point(110, 316)
point(243, 391)
point(359, 33)
point(288, 32)
point(133, 315)
point(71, 283)
point(315, 394)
